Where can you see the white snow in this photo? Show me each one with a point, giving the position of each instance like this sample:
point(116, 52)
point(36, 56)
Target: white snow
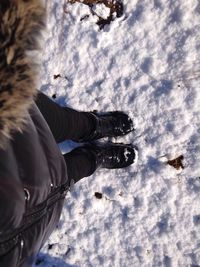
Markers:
point(101, 10)
point(145, 63)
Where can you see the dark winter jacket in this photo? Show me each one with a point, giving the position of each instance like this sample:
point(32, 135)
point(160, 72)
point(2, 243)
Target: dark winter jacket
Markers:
point(33, 175)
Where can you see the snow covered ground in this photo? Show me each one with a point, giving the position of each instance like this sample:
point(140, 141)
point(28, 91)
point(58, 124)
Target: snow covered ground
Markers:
point(147, 64)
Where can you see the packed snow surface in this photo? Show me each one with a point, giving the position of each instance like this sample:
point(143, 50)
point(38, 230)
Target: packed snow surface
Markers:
point(147, 64)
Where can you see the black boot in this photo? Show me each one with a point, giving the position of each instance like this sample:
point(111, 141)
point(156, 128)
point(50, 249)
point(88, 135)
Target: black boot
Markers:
point(109, 124)
point(111, 155)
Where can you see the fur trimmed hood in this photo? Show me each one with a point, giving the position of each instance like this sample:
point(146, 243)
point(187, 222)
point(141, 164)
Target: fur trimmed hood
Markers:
point(21, 22)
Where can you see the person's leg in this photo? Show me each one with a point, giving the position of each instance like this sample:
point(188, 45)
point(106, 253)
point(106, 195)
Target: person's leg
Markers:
point(80, 164)
point(83, 161)
point(65, 123)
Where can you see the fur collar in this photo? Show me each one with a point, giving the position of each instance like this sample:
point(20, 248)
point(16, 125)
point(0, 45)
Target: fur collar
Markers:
point(21, 22)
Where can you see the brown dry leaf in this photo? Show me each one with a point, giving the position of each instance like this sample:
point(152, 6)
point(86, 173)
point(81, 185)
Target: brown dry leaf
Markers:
point(56, 76)
point(176, 163)
point(98, 195)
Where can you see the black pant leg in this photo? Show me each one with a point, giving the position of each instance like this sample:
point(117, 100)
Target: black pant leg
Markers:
point(79, 164)
point(65, 123)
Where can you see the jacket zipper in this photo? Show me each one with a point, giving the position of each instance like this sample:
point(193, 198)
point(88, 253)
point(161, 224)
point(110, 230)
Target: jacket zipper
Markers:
point(21, 249)
point(33, 217)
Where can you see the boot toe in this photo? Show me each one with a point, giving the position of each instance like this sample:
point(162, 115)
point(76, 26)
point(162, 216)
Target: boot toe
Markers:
point(117, 156)
point(127, 157)
point(125, 123)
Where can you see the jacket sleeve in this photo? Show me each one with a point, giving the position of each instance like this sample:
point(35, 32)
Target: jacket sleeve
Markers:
point(12, 200)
